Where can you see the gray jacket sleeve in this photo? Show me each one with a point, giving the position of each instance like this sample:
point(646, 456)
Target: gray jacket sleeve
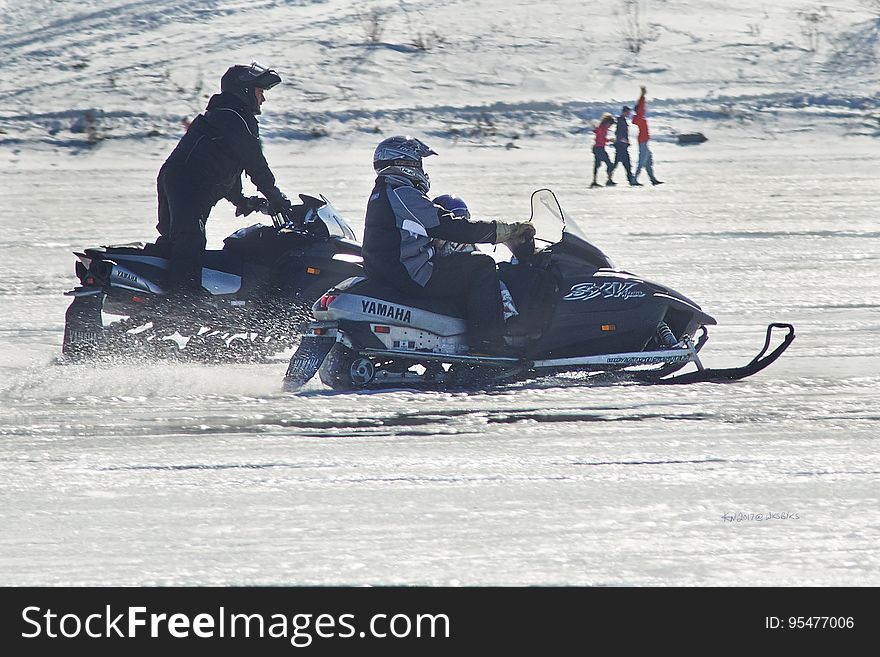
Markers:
point(416, 214)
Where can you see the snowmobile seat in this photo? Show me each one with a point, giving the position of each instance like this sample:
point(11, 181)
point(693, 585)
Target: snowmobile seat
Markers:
point(450, 306)
point(132, 248)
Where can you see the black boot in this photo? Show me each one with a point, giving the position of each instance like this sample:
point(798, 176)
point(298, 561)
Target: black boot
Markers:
point(185, 291)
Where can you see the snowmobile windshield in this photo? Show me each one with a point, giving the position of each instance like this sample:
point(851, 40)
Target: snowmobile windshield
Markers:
point(553, 226)
point(549, 220)
point(336, 225)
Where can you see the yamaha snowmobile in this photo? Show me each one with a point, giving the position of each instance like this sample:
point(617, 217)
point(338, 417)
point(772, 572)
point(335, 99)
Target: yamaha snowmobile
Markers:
point(258, 290)
point(577, 313)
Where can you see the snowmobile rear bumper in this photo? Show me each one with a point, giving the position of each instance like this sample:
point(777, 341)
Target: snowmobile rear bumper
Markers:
point(306, 362)
point(83, 326)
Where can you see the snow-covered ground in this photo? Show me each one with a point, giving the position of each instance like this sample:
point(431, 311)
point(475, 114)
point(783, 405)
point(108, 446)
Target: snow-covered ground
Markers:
point(485, 71)
point(188, 474)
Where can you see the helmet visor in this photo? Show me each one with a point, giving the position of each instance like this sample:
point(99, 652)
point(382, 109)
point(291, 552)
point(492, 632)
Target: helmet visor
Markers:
point(260, 76)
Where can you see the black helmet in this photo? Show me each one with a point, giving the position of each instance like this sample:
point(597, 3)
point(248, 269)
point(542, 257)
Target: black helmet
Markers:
point(403, 155)
point(242, 82)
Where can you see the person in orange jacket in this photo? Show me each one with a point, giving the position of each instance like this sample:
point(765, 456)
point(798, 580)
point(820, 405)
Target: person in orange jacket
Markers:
point(600, 155)
point(646, 158)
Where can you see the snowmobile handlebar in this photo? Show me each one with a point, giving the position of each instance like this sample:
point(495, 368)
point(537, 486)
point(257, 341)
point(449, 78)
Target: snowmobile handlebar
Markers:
point(285, 220)
point(290, 217)
point(293, 218)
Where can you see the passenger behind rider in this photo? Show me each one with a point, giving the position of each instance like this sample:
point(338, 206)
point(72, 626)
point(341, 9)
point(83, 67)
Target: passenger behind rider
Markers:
point(206, 165)
point(400, 226)
point(456, 206)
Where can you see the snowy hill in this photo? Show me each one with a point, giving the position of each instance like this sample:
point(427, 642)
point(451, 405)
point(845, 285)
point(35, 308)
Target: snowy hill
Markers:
point(488, 71)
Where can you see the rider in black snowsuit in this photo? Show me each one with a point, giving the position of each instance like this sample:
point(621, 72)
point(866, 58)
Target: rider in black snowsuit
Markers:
point(207, 165)
point(400, 225)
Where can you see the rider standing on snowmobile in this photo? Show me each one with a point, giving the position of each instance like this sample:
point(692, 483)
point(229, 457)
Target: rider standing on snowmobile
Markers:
point(207, 165)
point(400, 224)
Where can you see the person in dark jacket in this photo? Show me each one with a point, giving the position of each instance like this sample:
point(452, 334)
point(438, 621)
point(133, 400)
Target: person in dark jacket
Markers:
point(621, 148)
point(400, 226)
point(646, 158)
point(206, 166)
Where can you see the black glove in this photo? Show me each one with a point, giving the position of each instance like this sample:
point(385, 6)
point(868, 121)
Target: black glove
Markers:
point(281, 205)
point(251, 204)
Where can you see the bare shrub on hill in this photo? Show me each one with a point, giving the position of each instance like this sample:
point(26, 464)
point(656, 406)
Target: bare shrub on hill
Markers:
point(423, 40)
point(632, 25)
point(373, 24)
point(813, 25)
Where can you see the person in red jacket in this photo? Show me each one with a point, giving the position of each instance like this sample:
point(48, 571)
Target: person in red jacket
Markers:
point(646, 158)
point(600, 155)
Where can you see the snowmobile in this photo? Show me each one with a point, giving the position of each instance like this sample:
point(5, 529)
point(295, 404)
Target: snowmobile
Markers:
point(258, 290)
point(577, 313)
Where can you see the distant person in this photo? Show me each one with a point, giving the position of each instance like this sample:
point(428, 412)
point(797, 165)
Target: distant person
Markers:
point(646, 158)
point(206, 165)
point(621, 147)
point(600, 155)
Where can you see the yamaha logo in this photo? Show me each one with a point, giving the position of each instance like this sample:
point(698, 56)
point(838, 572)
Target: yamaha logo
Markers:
point(386, 310)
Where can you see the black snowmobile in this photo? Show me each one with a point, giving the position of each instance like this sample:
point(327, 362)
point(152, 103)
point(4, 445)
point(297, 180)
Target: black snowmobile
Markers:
point(258, 291)
point(577, 313)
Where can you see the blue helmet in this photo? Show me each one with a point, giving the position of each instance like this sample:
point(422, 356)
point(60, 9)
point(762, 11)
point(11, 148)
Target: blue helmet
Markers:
point(453, 204)
point(243, 81)
point(402, 155)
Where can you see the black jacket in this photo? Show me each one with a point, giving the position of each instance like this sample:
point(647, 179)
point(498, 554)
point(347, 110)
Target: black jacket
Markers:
point(400, 225)
point(621, 132)
point(219, 145)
